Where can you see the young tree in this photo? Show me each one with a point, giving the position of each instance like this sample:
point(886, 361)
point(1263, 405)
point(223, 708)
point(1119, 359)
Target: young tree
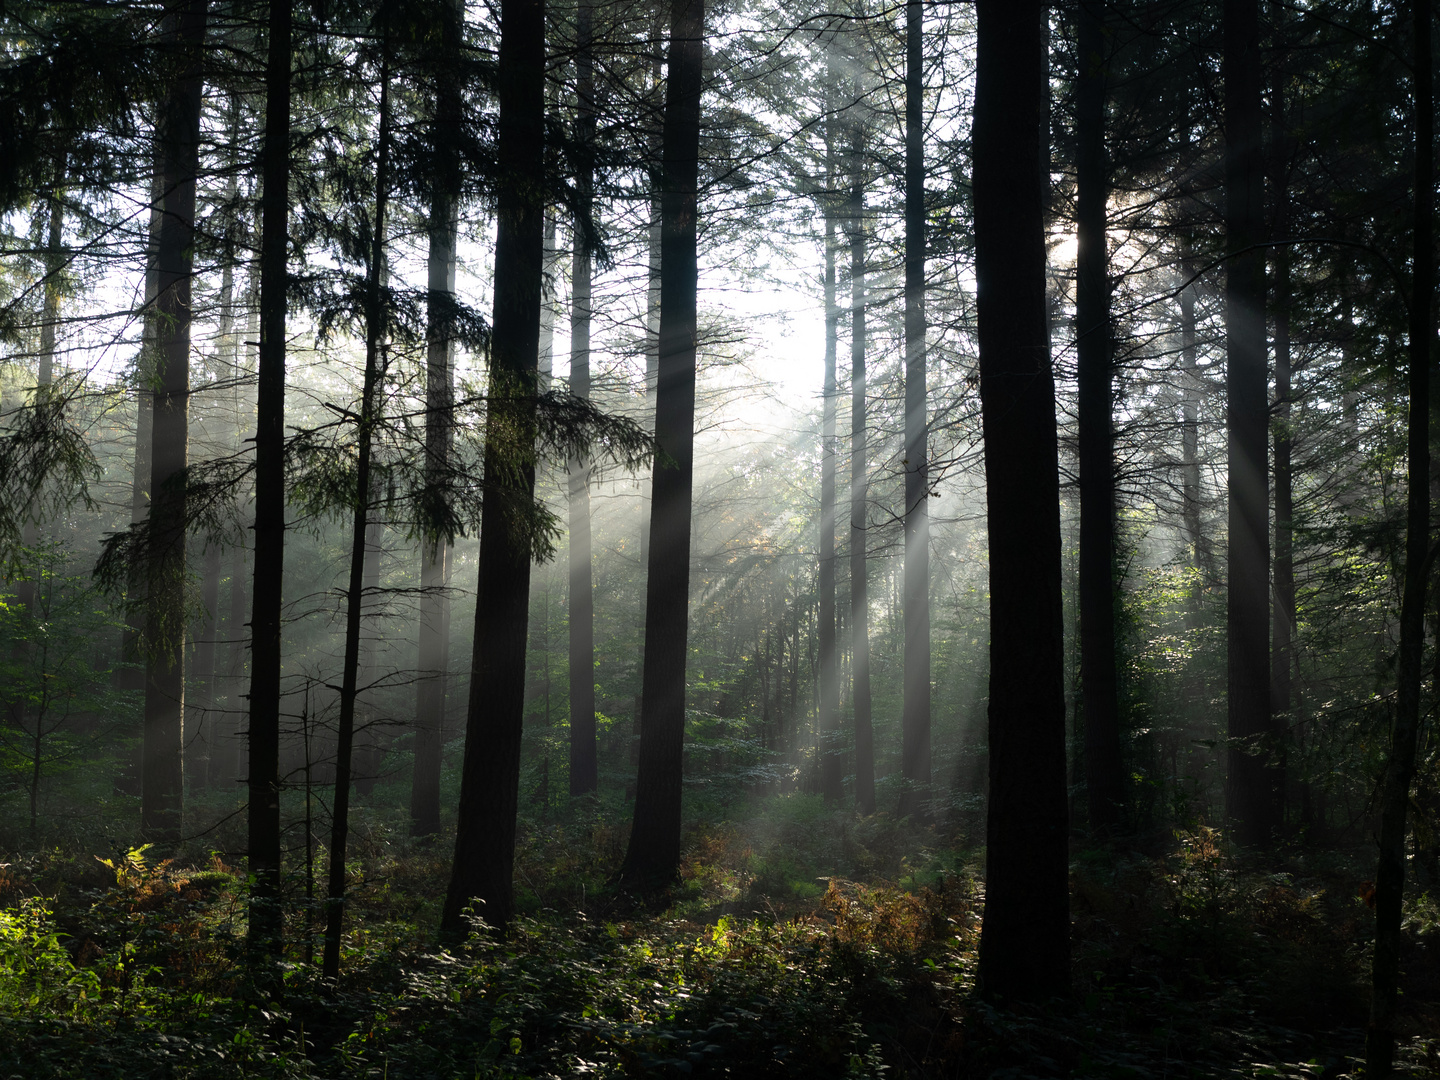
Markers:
point(831, 763)
point(489, 792)
point(1024, 944)
point(653, 856)
point(859, 483)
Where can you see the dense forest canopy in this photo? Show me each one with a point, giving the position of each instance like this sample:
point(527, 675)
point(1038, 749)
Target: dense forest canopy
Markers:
point(489, 492)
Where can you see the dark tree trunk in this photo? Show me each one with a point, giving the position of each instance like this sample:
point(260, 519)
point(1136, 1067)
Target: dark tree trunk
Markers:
point(831, 761)
point(200, 724)
point(1190, 420)
point(1404, 736)
point(653, 857)
point(162, 787)
point(489, 791)
point(1104, 773)
point(264, 727)
point(436, 551)
point(1250, 784)
point(859, 478)
point(1282, 656)
point(359, 534)
point(370, 741)
point(583, 765)
point(1024, 944)
point(915, 723)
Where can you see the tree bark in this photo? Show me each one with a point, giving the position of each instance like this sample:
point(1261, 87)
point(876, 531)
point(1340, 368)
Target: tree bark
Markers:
point(915, 723)
point(436, 551)
point(1024, 943)
point(831, 759)
point(1404, 735)
point(359, 534)
point(162, 787)
point(859, 483)
point(583, 764)
point(264, 936)
point(653, 856)
point(1104, 771)
point(489, 792)
point(1250, 783)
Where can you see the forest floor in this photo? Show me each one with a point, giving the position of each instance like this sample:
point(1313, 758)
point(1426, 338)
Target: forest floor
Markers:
point(801, 942)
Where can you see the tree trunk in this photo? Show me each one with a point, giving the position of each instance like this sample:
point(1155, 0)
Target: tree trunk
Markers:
point(436, 551)
point(583, 766)
point(489, 792)
point(1404, 735)
point(1104, 772)
point(915, 723)
point(831, 760)
point(359, 530)
point(859, 481)
point(162, 787)
point(1024, 943)
point(201, 724)
point(371, 743)
point(264, 727)
point(1250, 783)
point(653, 857)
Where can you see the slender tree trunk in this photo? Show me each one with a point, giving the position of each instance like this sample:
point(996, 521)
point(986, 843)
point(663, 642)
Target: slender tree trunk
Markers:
point(915, 724)
point(583, 766)
point(359, 529)
point(370, 744)
point(1190, 420)
point(436, 551)
point(1404, 735)
point(162, 786)
point(831, 760)
point(489, 792)
point(653, 857)
point(200, 726)
point(264, 727)
point(1249, 789)
point(1104, 772)
point(859, 481)
point(1024, 944)
point(1282, 656)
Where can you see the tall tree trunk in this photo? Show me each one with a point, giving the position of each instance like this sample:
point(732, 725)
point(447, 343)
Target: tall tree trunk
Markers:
point(859, 480)
point(1282, 654)
point(162, 787)
point(1250, 783)
point(583, 765)
point(489, 791)
point(1190, 419)
point(370, 747)
point(201, 723)
point(359, 530)
point(1025, 941)
point(653, 857)
point(264, 727)
point(915, 723)
point(436, 551)
point(1104, 773)
point(1404, 735)
point(831, 761)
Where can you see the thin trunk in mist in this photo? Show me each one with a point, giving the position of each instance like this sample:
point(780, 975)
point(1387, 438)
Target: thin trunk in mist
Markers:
point(1190, 419)
point(859, 480)
point(583, 764)
point(1251, 789)
point(200, 725)
point(831, 762)
point(436, 552)
point(1404, 735)
point(265, 925)
point(1104, 773)
point(370, 745)
point(915, 723)
point(1282, 657)
point(359, 530)
point(653, 857)
point(1025, 939)
point(490, 781)
point(162, 786)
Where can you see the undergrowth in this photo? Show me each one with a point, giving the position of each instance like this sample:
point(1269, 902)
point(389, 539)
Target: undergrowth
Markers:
point(798, 944)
